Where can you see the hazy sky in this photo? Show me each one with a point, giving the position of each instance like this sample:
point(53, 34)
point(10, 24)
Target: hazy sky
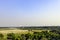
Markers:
point(29, 12)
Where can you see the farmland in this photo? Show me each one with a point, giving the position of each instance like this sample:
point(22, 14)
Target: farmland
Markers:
point(29, 33)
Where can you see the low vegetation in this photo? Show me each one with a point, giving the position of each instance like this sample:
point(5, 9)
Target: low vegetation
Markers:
point(29, 34)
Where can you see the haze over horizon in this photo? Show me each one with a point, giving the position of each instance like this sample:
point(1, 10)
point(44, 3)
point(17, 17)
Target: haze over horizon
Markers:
point(29, 12)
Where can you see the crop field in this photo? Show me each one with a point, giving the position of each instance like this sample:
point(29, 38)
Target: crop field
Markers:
point(30, 33)
point(13, 31)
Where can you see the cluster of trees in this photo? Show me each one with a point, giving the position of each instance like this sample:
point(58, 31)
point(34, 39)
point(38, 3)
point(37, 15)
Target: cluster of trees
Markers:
point(44, 35)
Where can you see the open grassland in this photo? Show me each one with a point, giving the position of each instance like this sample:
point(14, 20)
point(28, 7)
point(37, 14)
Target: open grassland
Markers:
point(29, 34)
point(20, 31)
point(13, 31)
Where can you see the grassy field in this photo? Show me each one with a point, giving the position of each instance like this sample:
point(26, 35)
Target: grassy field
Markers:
point(13, 31)
point(43, 33)
point(20, 31)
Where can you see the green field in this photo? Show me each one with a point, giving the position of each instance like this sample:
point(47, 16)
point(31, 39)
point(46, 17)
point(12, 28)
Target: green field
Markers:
point(30, 33)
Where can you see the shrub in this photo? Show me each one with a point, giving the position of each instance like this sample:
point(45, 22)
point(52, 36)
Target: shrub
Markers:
point(11, 36)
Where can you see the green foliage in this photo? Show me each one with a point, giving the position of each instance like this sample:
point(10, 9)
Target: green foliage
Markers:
point(11, 36)
point(44, 35)
point(1, 36)
point(29, 36)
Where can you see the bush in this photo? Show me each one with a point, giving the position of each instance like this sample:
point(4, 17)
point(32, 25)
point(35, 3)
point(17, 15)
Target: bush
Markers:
point(11, 36)
point(1, 36)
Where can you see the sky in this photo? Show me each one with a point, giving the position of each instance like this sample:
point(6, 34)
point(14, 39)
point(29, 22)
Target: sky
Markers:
point(29, 12)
